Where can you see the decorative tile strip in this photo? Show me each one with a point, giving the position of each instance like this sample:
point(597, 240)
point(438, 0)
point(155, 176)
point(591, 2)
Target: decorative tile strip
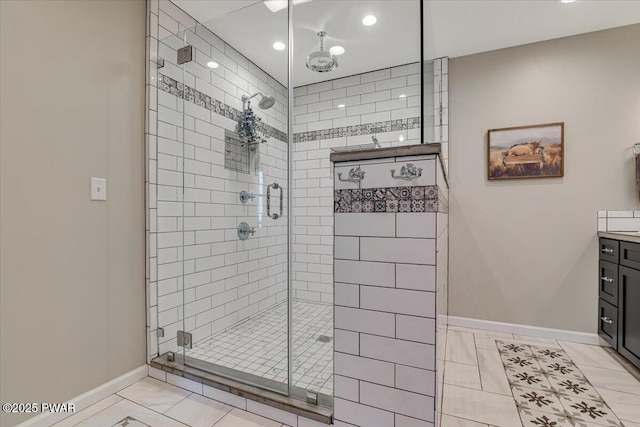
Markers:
point(550, 390)
point(169, 85)
point(366, 129)
point(390, 199)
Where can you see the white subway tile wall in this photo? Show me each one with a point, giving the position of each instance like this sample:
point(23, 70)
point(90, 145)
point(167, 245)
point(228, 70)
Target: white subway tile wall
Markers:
point(619, 221)
point(388, 267)
point(201, 277)
point(390, 94)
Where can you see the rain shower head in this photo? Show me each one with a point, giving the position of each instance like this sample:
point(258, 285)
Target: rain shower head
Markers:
point(322, 61)
point(266, 101)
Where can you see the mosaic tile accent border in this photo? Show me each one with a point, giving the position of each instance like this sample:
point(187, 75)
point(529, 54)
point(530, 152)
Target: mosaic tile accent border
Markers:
point(366, 129)
point(169, 85)
point(550, 390)
point(391, 199)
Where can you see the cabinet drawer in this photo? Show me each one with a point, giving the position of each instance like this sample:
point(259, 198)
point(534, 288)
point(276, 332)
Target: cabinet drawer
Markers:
point(608, 323)
point(609, 250)
point(630, 255)
point(608, 277)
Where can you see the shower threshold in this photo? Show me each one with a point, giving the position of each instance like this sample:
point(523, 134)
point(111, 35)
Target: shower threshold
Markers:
point(294, 404)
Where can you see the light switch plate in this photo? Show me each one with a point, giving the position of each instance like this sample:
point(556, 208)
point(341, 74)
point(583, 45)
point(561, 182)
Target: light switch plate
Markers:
point(98, 189)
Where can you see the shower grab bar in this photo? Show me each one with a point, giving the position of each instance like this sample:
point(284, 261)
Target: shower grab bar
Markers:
point(275, 186)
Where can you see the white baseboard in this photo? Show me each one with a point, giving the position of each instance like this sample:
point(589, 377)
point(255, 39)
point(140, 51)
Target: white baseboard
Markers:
point(89, 398)
point(534, 331)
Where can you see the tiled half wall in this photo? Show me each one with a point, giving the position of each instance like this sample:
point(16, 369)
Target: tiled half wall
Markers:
point(390, 264)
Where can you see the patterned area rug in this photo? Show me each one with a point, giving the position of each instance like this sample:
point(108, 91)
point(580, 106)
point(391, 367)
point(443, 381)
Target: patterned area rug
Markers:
point(550, 390)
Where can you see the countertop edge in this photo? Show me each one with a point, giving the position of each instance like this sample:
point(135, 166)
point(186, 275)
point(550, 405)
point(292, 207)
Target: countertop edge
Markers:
point(622, 236)
point(381, 153)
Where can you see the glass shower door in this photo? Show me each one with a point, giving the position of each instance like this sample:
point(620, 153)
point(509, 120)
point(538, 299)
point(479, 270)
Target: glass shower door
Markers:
point(234, 254)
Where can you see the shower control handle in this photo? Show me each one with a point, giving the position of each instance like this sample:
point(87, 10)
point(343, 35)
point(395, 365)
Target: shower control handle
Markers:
point(275, 186)
point(245, 196)
point(244, 230)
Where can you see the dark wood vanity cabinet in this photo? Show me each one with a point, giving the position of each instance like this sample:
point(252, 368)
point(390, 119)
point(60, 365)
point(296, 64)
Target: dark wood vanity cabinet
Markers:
point(619, 291)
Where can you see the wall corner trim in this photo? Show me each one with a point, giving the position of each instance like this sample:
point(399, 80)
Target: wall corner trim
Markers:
point(534, 331)
point(90, 397)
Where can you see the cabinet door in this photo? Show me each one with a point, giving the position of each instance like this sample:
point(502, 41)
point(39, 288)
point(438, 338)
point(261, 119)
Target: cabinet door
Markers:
point(629, 314)
point(608, 277)
point(630, 255)
point(608, 323)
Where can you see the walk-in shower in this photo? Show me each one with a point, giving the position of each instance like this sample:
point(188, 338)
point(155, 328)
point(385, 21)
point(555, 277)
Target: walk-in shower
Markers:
point(241, 215)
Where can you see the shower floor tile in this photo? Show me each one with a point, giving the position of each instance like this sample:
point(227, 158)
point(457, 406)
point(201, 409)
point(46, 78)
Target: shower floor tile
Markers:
point(258, 346)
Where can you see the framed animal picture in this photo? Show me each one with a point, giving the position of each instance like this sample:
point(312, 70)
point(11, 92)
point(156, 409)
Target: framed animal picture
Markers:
point(535, 151)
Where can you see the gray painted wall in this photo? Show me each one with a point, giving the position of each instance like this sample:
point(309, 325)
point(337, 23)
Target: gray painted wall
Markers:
point(72, 270)
point(525, 251)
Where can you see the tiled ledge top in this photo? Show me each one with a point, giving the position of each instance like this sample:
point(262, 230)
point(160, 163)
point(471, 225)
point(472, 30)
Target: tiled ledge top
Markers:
point(625, 236)
point(381, 153)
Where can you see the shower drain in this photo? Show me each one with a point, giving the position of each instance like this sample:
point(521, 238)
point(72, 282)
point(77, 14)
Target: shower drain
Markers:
point(324, 338)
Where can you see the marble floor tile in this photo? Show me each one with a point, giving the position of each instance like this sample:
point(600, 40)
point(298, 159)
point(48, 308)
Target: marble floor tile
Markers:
point(611, 379)
point(528, 377)
point(449, 421)
point(240, 418)
point(461, 348)
point(492, 375)
point(127, 412)
point(485, 341)
point(589, 411)
point(198, 411)
point(590, 355)
point(481, 332)
point(489, 408)
point(154, 394)
point(626, 406)
point(630, 423)
point(531, 418)
point(537, 400)
point(89, 412)
point(462, 375)
point(530, 339)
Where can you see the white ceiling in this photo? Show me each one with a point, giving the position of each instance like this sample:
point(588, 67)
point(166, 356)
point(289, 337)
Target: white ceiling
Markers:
point(452, 28)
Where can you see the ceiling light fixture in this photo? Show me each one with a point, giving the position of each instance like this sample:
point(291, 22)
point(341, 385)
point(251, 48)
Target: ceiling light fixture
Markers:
point(278, 5)
point(336, 50)
point(369, 20)
point(212, 64)
point(567, 1)
point(279, 46)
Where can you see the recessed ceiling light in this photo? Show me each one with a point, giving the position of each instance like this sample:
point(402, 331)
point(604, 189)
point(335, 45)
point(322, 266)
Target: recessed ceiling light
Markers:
point(212, 64)
point(567, 1)
point(337, 50)
point(369, 20)
point(278, 5)
point(402, 95)
point(401, 138)
point(341, 106)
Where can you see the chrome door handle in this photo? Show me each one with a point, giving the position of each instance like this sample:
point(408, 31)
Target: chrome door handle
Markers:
point(605, 319)
point(606, 279)
point(607, 250)
point(275, 186)
point(355, 175)
point(408, 172)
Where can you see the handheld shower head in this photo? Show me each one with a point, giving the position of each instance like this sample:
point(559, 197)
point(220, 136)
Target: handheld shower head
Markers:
point(266, 101)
